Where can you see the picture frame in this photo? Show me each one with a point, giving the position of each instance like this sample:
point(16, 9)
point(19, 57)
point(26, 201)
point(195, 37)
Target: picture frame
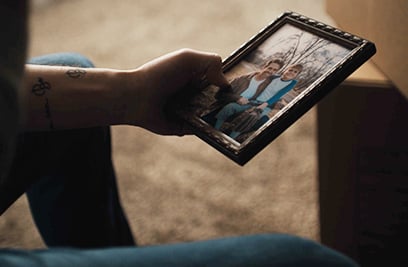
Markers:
point(241, 120)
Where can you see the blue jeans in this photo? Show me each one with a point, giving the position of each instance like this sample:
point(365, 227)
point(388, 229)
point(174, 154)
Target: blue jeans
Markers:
point(245, 251)
point(75, 205)
point(227, 111)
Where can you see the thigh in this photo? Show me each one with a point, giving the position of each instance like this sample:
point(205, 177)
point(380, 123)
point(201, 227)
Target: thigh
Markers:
point(258, 250)
point(231, 109)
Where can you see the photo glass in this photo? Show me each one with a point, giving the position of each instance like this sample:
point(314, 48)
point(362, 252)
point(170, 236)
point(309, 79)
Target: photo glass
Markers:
point(275, 78)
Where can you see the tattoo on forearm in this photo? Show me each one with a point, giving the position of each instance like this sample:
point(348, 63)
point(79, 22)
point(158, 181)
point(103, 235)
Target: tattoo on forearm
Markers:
point(48, 113)
point(76, 73)
point(40, 89)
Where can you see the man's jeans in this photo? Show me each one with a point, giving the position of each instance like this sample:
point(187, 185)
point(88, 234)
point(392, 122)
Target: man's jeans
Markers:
point(74, 201)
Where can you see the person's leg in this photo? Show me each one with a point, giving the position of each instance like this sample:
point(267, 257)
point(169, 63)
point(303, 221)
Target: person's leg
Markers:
point(234, 134)
point(74, 200)
point(227, 111)
point(264, 119)
point(258, 250)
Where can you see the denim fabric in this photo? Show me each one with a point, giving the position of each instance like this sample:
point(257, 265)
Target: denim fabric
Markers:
point(246, 251)
point(229, 110)
point(62, 59)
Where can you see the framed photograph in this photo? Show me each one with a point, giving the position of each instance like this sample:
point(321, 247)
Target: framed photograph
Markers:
point(278, 75)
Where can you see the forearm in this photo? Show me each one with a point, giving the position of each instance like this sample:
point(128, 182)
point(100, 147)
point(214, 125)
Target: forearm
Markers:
point(65, 97)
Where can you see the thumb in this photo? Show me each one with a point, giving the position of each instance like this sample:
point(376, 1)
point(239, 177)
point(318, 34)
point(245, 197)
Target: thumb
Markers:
point(214, 72)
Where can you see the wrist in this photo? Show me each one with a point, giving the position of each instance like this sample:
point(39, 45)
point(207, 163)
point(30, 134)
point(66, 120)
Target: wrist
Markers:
point(131, 98)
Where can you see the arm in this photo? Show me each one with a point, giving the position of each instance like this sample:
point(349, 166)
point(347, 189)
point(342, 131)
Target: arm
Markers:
point(66, 97)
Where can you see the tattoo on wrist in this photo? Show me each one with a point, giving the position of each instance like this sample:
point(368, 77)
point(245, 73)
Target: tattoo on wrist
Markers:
point(76, 73)
point(48, 113)
point(40, 89)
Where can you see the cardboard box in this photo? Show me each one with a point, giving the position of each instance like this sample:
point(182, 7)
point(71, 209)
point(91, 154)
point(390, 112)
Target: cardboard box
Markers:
point(383, 22)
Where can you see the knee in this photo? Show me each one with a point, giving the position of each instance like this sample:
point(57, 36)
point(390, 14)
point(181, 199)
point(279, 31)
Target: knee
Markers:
point(63, 59)
point(297, 251)
point(227, 110)
point(78, 60)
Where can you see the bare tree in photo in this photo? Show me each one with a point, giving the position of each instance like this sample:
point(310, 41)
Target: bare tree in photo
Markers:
point(295, 46)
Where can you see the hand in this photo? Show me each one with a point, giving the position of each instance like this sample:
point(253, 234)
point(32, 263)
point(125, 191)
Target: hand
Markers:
point(242, 101)
point(262, 106)
point(165, 77)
